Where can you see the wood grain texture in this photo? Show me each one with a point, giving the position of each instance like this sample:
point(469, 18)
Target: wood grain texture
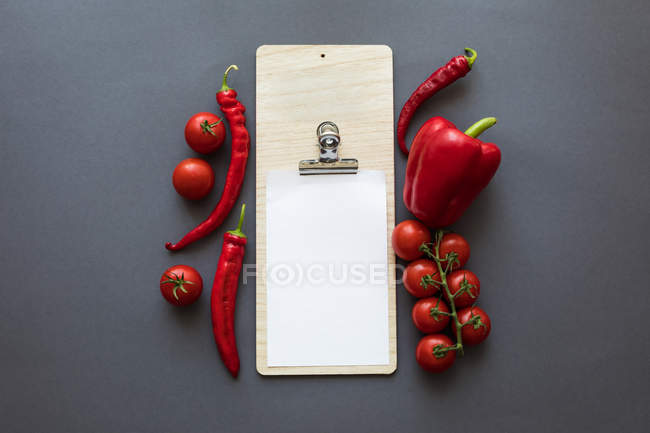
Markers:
point(299, 86)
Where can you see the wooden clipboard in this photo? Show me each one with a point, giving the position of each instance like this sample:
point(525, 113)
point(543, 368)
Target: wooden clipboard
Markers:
point(298, 86)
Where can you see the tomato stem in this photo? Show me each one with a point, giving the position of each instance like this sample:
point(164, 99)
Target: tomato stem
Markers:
point(435, 311)
point(475, 321)
point(450, 258)
point(465, 287)
point(178, 282)
point(206, 127)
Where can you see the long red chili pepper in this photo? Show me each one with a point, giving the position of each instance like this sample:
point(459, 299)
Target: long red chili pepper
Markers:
point(234, 113)
point(224, 294)
point(456, 68)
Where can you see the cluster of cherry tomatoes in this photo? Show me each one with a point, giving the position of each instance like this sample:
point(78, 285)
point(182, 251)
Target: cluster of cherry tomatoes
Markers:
point(447, 293)
point(193, 178)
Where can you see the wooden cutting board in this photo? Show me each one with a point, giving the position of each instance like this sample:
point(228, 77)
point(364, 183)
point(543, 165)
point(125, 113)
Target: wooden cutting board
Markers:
point(299, 86)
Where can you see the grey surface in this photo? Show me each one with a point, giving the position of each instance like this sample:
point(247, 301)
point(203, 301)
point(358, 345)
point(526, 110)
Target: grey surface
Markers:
point(93, 98)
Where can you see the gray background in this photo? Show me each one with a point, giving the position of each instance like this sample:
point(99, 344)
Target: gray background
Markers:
point(94, 96)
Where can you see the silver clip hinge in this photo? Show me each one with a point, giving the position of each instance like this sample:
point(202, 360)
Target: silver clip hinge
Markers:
point(329, 162)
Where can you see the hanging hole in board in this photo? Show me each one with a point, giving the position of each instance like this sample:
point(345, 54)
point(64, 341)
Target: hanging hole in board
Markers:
point(322, 55)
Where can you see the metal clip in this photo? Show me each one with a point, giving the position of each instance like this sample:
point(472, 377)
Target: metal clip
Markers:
point(329, 162)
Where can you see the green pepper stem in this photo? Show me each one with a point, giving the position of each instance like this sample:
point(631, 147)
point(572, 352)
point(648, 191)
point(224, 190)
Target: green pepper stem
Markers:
point(224, 85)
point(237, 231)
point(470, 55)
point(476, 129)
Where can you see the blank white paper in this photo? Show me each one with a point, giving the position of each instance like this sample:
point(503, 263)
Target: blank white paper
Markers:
point(326, 282)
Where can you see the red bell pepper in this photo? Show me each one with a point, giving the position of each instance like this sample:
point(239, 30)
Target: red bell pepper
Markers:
point(447, 169)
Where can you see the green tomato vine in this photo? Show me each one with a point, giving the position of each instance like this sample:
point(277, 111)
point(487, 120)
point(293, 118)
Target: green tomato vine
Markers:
point(432, 251)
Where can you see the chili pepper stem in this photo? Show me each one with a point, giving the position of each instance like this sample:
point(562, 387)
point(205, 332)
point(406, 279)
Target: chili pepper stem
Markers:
point(237, 231)
point(470, 55)
point(477, 129)
point(224, 85)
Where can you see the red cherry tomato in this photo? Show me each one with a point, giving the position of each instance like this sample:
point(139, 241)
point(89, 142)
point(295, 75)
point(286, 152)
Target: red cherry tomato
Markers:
point(453, 242)
point(407, 238)
point(205, 132)
point(479, 327)
point(193, 178)
point(181, 285)
point(413, 275)
point(467, 281)
point(435, 361)
point(429, 315)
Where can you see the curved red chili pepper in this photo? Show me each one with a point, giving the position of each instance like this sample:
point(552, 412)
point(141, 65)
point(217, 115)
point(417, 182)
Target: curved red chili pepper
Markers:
point(234, 113)
point(456, 68)
point(224, 294)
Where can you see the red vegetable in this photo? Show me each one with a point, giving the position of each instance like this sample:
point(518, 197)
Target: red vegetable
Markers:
point(456, 68)
point(435, 353)
point(224, 294)
point(475, 325)
point(407, 238)
point(193, 178)
point(418, 278)
point(181, 285)
point(464, 286)
point(430, 315)
point(456, 248)
point(441, 282)
point(447, 169)
point(205, 132)
point(461, 288)
point(234, 112)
